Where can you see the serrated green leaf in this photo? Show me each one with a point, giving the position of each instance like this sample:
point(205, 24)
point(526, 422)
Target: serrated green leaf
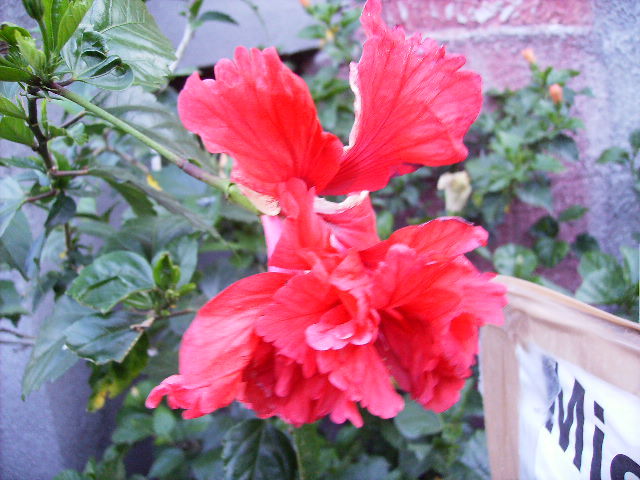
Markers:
point(167, 201)
point(10, 301)
point(113, 378)
point(50, 358)
point(16, 130)
point(11, 199)
point(62, 210)
point(414, 421)
point(143, 111)
point(110, 279)
point(574, 212)
point(256, 450)
point(132, 34)
point(515, 260)
point(103, 339)
point(70, 14)
point(10, 109)
point(15, 244)
point(13, 74)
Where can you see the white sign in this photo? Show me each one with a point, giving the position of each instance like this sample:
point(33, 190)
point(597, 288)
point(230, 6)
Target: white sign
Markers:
point(574, 425)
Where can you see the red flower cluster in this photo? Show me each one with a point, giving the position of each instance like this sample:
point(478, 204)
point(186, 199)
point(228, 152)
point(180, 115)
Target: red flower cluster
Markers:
point(340, 313)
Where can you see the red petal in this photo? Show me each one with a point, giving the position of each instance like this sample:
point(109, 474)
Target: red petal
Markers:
point(413, 106)
point(353, 227)
point(217, 347)
point(258, 111)
point(440, 239)
point(305, 235)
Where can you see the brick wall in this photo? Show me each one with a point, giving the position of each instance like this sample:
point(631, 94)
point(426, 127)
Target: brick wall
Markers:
point(599, 38)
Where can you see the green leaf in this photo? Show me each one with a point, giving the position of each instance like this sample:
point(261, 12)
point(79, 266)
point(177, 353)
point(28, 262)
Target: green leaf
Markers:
point(132, 428)
point(614, 155)
point(634, 140)
point(551, 252)
point(167, 462)
point(602, 287)
point(256, 450)
point(546, 226)
point(50, 358)
point(69, 14)
point(16, 130)
point(30, 52)
point(313, 31)
point(110, 279)
point(315, 456)
point(12, 74)
point(165, 273)
point(476, 457)
point(537, 193)
point(16, 243)
point(11, 199)
point(547, 163)
point(8, 108)
point(213, 16)
point(131, 33)
point(165, 200)
point(369, 467)
point(163, 422)
point(103, 339)
point(62, 210)
point(595, 260)
point(185, 250)
point(574, 212)
point(10, 301)
point(515, 260)
point(143, 111)
point(584, 243)
point(631, 259)
point(564, 146)
point(414, 421)
point(113, 378)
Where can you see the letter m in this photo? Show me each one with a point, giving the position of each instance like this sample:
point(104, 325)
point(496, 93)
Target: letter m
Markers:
point(575, 406)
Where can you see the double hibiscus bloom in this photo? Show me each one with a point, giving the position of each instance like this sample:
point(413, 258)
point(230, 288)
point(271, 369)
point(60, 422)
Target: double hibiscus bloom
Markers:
point(340, 315)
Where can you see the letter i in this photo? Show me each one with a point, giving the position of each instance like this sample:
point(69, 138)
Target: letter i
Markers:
point(598, 439)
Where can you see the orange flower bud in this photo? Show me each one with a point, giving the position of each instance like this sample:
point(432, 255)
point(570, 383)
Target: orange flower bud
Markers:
point(305, 3)
point(555, 91)
point(529, 55)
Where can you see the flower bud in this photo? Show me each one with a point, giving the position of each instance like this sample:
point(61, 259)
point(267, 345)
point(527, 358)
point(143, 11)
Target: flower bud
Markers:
point(529, 55)
point(457, 189)
point(555, 91)
point(34, 8)
point(305, 3)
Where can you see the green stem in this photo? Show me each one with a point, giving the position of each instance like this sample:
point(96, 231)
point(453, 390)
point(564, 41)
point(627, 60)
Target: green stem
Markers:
point(229, 188)
point(298, 445)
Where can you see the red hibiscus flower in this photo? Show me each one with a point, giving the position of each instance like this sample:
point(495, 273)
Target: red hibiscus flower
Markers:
point(413, 106)
point(332, 331)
